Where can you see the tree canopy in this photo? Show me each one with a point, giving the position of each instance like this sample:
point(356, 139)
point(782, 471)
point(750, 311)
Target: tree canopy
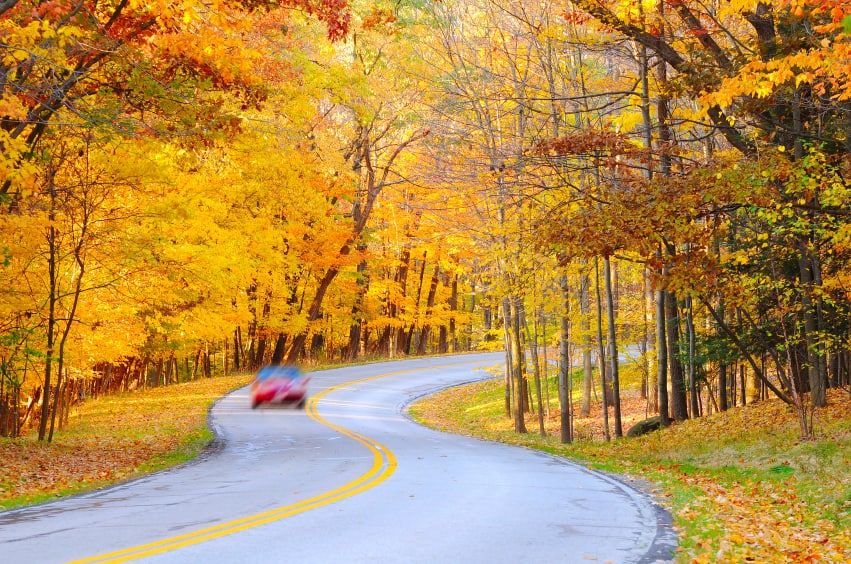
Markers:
point(198, 187)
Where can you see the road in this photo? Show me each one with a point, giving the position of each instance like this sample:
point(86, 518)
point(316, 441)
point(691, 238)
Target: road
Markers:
point(351, 479)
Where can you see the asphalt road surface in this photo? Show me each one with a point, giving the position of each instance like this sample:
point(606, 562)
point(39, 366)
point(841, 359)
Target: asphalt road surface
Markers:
point(350, 479)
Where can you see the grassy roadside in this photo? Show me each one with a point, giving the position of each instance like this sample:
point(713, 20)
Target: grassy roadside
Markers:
point(740, 485)
point(112, 439)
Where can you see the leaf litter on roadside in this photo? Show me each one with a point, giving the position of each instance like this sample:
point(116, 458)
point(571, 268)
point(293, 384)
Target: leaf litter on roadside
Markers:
point(111, 439)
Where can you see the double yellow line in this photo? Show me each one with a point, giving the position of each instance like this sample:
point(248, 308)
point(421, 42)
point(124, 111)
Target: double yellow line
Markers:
point(383, 466)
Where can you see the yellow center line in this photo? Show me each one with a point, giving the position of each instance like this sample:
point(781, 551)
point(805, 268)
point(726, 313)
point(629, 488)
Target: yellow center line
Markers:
point(383, 465)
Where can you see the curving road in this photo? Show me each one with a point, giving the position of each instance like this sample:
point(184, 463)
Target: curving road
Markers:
point(351, 479)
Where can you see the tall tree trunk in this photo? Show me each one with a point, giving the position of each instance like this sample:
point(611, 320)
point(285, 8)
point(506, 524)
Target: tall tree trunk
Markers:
point(51, 311)
point(383, 345)
point(565, 370)
point(453, 307)
point(356, 328)
point(194, 369)
point(366, 335)
point(601, 365)
point(585, 330)
point(679, 409)
point(662, 354)
point(409, 340)
point(509, 361)
point(814, 362)
point(545, 363)
point(237, 350)
point(249, 358)
point(613, 347)
point(260, 354)
point(722, 369)
point(317, 344)
point(432, 293)
point(643, 342)
point(72, 312)
point(208, 369)
point(692, 383)
point(678, 403)
point(723, 402)
point(517, 358)
point(404, 266)
point(443, 333)
point(536, 367)
point(644, 71)
point(651, 343)
point(314, 313)
point(280, 349)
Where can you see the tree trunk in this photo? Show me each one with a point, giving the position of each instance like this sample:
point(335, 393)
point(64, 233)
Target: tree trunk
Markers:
point(613, 347)
point(208, 372)
point(409, 339)
point(601, 364)
point(356, 328)
point(545, 364)
point(679, 409)
point(72, 312)
point(722, 367)
point(314, 313)
point(260, 354)
point(317, 344)
point(662, 355)
point(453, 307)
point(585, 330)
point(509, 362)
point(517, 359)
point(280, 349)
point(692, 383)
point(565, 370)
point(237, 364)
point(426, 330)
point(814, 361)
point(51, 314)
point(536, 367)
point(405, 263)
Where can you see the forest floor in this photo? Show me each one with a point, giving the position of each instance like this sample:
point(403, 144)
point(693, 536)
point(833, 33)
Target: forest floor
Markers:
point(112, 439)
point(741, 485)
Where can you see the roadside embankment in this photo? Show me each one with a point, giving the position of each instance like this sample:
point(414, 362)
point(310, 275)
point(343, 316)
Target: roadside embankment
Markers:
point(112, 439)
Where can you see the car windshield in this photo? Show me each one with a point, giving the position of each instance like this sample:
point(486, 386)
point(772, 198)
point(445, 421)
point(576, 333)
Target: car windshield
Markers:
point(287, 372)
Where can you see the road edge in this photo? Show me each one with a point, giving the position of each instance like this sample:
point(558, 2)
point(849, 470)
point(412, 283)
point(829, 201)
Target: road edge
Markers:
point(213, 446)
point(664, 544)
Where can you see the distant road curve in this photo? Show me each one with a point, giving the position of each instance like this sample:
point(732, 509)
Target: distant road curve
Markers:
point(351, 479)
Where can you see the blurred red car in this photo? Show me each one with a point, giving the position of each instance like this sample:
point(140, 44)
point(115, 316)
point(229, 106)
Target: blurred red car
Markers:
point(279, 384)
